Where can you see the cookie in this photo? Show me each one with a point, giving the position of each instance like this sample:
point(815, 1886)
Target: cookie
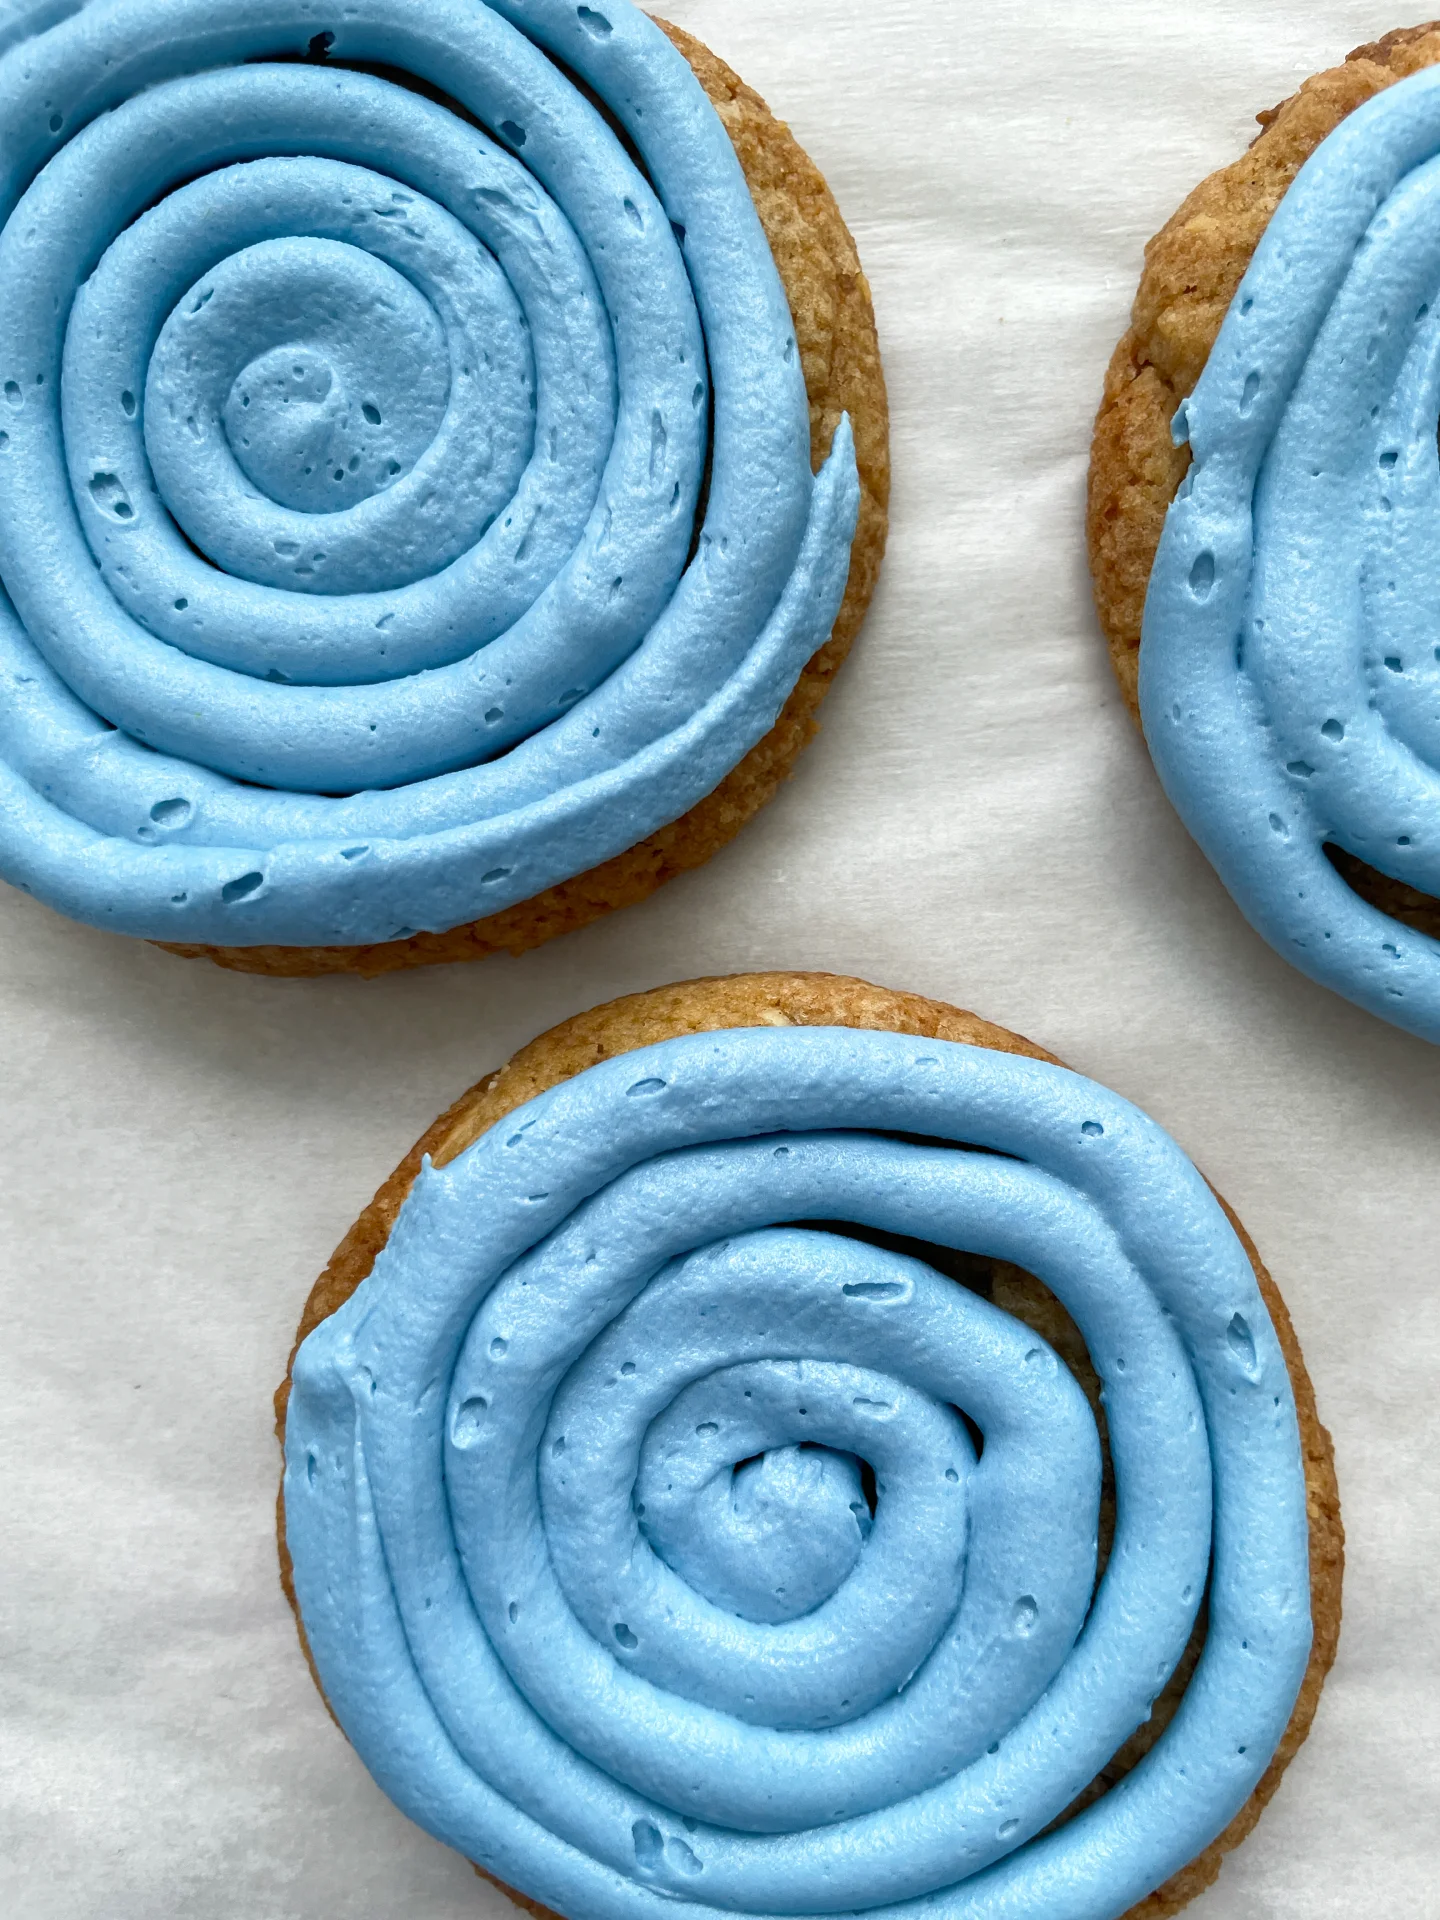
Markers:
point(544, 658)
point(1323, 829)
point(631, 1128)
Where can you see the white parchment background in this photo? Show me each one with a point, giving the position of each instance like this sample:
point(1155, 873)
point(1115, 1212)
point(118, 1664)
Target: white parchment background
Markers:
point(182, 1147)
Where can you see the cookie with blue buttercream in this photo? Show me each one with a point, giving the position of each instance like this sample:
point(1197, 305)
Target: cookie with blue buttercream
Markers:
point(1263, 459)
point(669, 1308)
point(416, 483)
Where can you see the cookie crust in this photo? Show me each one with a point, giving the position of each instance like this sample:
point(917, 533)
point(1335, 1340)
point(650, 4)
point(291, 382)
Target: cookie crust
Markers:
point(818, 999)
point(840, 354)
point(1192, 268)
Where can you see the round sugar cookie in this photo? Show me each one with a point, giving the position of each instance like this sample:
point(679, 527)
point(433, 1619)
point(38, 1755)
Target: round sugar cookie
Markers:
point(385, 581)
point(1324, 829)
point(671, 1241)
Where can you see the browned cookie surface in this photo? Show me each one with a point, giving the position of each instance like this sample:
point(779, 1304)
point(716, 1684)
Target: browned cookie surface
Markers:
point(788, 999)
point(1192, 268)
point(835, 330)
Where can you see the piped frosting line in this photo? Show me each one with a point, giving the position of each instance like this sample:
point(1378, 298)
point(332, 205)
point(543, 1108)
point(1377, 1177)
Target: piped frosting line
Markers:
point(613, 1298)
point(1289, 676)
point(398, 606)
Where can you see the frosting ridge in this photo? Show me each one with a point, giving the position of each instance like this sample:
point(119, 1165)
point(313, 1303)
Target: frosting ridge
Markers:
point(1289, 676)
point(612, 1299)
point(351, 456)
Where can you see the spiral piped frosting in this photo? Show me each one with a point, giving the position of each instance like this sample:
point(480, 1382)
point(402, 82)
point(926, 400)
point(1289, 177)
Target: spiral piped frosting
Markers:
point(1290, 671)
point(358, 392)
point(653, 1545)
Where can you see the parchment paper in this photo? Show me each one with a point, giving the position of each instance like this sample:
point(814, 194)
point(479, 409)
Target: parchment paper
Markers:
point(181, 1147)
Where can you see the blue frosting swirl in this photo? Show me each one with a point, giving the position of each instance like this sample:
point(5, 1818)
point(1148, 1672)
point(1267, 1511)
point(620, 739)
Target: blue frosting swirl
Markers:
point(574, 1490)
point(1289, 671)
point(352, 435)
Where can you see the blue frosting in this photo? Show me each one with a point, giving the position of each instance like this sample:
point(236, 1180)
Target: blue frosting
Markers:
point(350, 457)
point(1290, 672)
point(574, 1493)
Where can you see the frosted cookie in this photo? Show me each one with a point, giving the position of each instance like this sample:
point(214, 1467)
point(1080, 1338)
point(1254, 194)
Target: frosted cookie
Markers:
point(407, 424)
point(1264, 494)
point(638, 1431)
